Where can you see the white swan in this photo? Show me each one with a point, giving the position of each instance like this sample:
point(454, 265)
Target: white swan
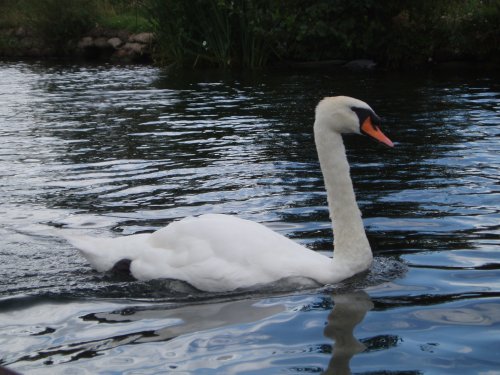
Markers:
point(221, 252)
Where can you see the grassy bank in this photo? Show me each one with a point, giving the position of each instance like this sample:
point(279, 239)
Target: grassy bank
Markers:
point(52, 27)
point(64, 15)
point(255, 33)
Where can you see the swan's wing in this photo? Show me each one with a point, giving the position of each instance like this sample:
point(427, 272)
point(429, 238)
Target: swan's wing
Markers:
point(211, 252)
point(227, 252)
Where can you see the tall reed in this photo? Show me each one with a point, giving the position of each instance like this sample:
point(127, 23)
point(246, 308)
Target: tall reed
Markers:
point(222, 33)
point(255, 32)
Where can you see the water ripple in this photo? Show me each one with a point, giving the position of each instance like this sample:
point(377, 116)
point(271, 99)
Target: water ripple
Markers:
point(121, 150)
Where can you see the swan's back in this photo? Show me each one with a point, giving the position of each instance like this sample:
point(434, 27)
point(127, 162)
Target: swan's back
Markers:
point(211, 252)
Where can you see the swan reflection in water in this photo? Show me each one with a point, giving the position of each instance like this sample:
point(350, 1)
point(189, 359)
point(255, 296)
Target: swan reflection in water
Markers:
point(197, 328)
point(226, 336)
point(349, 310)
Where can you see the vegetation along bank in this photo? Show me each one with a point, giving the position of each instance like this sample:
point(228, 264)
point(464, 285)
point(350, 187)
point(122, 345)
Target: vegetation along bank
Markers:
point(254, 33)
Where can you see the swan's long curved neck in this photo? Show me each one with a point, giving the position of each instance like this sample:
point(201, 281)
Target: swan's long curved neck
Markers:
point(350, 242)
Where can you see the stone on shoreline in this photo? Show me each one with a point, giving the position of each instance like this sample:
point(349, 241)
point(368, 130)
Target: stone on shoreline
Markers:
point(145, 38)
point(85, 42)
point(101, 42)
point(115, 42)
point(134, 48)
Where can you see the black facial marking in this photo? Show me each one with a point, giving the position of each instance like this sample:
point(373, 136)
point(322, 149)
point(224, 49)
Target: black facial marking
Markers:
point(364, 113)
point(375, 119)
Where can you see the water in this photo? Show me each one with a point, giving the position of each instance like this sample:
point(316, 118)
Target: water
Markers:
point(110, 151)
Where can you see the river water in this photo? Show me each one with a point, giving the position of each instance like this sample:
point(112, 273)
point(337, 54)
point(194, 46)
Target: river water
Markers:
point(111, 151)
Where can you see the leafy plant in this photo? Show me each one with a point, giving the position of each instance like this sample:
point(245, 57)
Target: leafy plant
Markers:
point(59, 21)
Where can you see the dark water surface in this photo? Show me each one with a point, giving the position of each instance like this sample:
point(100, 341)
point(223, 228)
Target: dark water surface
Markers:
point(113, 151)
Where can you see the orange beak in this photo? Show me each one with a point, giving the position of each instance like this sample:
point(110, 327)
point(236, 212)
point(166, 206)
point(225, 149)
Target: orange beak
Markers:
point(373, 131)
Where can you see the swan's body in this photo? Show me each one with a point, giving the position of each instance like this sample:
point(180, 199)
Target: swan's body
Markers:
point(222, 252)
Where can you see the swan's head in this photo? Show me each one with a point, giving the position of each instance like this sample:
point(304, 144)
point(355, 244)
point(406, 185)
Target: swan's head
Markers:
point(344, 115)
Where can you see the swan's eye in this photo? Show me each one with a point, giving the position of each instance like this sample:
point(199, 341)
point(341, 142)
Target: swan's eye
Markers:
point(364, 113)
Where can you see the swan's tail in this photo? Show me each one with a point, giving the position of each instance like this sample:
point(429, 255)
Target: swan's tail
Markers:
point(104, 254)
point(134, 254)
point(97, 251)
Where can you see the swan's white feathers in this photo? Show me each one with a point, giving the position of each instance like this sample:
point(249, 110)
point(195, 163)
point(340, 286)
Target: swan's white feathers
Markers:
point(212, 252)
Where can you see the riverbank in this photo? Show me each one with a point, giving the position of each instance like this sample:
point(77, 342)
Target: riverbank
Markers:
point(243, 34)
point(125, 47)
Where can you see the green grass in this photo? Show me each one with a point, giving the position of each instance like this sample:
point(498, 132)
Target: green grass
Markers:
point(109, 14)
point(122, 15)
point(130, 22)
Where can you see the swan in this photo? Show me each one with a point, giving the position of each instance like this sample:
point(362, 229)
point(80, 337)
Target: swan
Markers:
point(216, 252)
